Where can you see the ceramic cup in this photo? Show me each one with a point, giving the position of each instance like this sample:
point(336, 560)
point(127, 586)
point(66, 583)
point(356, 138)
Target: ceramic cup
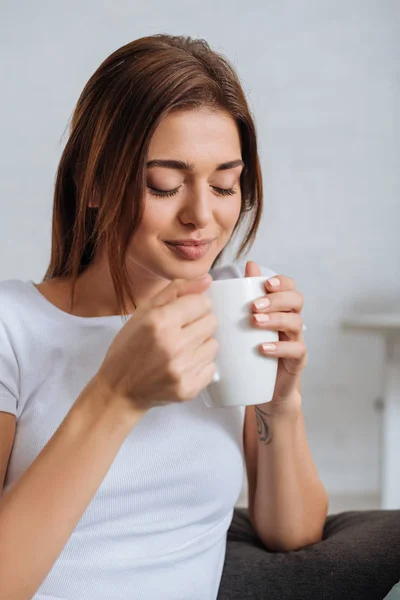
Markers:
point(244, 376)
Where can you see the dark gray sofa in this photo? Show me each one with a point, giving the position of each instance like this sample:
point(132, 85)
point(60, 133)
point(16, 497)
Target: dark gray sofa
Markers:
point(358, 559)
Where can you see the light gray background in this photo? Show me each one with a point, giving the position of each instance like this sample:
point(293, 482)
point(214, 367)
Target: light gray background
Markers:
point(322, 78)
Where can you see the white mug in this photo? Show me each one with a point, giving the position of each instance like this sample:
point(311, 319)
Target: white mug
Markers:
point(244, 376)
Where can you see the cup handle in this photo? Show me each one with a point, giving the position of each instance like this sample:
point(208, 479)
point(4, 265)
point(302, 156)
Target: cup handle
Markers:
point(216, 377)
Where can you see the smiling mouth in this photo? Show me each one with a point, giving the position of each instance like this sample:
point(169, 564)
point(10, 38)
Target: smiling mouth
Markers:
point(190, 252)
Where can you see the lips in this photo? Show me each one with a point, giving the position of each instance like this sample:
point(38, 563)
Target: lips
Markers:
point(191, 252)
point(190, 242)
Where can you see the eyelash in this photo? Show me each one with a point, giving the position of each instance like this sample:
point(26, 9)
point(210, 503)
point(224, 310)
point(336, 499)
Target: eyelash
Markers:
point(168, 193)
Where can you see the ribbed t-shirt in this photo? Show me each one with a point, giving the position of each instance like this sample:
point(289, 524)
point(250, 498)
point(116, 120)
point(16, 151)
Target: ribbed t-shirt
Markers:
point(156, 527)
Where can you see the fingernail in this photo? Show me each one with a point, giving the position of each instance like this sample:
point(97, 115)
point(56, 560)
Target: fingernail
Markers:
point(261, 318)
point(268, 347)
point(274, 282)
point(262, 303)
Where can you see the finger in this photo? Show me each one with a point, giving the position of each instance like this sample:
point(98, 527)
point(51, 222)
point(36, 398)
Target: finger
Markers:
point(185, 310)
point(294, 350)
point(199, 331)
point(279, 302)
point(204, 354)
point(289, 323)
point(252, 269)
point(203, 377)
point(279, 283)
point(178, 288)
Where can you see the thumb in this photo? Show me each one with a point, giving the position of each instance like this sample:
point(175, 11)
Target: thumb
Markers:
point(181, 287)
point(252, 269)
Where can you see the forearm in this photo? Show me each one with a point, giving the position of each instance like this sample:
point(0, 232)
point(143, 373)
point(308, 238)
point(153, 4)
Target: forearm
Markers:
point(39, 513)
point(290, 504)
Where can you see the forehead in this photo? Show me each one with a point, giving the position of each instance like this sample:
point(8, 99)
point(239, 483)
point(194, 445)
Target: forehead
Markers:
point(196, 134)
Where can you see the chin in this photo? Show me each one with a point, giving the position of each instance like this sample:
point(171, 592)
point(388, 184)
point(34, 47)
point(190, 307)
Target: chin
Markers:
point(189, 269)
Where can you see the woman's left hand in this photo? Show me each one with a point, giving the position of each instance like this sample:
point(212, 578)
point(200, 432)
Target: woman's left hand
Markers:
point(283, 311)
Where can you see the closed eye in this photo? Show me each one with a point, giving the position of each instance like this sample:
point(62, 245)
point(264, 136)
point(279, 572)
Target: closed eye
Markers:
point(163, 193)
point(168, 193)
point(224, 192)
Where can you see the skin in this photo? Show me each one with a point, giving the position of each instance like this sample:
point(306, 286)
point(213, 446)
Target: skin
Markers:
point(287, 503)
point(202, 202)
point(204, 139)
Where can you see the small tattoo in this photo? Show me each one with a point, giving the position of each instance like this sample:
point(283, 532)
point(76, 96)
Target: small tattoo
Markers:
point(264, 433)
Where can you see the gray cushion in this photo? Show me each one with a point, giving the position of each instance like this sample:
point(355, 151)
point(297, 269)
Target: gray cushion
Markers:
point(358, 559)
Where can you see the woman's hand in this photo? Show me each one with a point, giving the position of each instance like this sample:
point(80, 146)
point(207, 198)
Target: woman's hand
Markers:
point(283, 314)
point(165, 352)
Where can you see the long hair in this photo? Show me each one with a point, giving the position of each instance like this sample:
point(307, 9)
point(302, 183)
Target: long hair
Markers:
point(119, 109)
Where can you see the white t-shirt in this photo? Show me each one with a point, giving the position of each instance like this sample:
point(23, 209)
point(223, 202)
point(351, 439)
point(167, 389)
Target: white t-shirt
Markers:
point(156, 527)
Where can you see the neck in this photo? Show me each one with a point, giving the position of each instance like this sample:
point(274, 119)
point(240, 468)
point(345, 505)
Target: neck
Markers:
point(95, 295)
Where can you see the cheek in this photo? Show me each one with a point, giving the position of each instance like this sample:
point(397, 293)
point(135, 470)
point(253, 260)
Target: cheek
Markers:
point(156, 217)
point(230, 214)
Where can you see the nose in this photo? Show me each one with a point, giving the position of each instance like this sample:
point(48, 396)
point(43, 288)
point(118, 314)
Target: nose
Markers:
point(197, 209)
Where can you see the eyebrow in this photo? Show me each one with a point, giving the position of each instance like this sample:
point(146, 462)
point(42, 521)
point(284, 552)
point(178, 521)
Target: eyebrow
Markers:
point(184, 166)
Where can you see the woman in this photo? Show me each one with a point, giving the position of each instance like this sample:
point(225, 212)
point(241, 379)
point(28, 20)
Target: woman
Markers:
point(104, 497)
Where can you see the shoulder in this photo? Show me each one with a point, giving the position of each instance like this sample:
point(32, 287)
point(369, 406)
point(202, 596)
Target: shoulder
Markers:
point(17, 308)
point(10, 288)
point(12, 295)
point(237, 269)
point(13, 298)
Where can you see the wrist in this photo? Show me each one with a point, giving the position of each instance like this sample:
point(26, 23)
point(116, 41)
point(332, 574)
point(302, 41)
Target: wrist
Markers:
point(98, 405)
point(284, 409)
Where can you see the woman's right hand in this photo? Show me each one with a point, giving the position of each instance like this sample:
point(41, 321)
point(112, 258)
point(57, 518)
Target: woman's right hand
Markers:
point(165, 352)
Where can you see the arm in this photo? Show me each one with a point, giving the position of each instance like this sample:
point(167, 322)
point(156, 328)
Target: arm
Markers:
point(290, 503)
point(49, 499)
point(7, 434)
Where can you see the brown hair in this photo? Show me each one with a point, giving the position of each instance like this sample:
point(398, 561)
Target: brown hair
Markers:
point(117, 113)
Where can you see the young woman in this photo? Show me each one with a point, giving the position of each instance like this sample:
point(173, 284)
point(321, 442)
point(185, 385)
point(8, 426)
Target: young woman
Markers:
point(118, 481)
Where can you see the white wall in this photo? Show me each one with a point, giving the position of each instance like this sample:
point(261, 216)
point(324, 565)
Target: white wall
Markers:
point(323, 80)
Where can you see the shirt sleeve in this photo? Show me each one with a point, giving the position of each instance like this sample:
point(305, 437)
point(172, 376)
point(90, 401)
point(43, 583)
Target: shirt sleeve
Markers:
point(9, 374)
